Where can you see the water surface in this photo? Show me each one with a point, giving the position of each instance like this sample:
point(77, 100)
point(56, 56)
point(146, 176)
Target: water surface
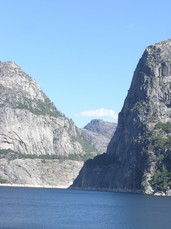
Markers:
point(74, 209)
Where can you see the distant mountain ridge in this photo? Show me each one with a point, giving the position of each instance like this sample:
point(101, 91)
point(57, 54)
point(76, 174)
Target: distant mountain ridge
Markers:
point(99, 133)
point(101, 127)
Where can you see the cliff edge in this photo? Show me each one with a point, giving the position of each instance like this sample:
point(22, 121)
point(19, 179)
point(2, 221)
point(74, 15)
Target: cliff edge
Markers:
point(138, 157)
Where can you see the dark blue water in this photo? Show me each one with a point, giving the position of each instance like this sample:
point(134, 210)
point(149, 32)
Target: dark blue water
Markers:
point(73, 209)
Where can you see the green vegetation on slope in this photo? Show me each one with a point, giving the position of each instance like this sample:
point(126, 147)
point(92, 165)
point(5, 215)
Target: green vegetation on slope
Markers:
point(39, 107)
point(17, 99)
point(12, 155)
point(161, 179)
point(161, 146)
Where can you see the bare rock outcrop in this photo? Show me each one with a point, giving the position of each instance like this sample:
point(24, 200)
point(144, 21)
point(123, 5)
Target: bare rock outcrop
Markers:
point(138, 157)
point(32, 128)
point(38, 172)
point(98, 133)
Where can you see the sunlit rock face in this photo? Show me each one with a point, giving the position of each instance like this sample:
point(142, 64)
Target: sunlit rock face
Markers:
point(31, 126)
point(99, 134)
point(138, 155)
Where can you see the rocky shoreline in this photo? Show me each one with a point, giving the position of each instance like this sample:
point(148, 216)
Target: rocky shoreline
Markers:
point(167, 193)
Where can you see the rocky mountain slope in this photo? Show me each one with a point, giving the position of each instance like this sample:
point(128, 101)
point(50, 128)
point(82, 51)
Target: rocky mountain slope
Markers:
point(138, 157)
point(32, 128)
point(38, 172)
point(98, 133)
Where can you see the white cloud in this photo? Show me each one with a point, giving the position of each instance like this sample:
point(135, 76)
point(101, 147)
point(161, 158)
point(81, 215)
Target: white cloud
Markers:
point(102, 112)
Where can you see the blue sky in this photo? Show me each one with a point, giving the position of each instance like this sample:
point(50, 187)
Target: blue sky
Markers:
point(82, 53)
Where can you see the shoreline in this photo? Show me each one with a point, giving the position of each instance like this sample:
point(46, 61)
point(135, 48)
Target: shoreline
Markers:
point(84, 189)
point(139, 192)
point(33, 186)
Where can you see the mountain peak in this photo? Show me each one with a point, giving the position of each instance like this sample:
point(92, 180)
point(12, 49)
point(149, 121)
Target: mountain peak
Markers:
point(22, 100)
point(101, 127)
point(9, 67)
point(38, 144)
point(138, 156)
point(99, 133)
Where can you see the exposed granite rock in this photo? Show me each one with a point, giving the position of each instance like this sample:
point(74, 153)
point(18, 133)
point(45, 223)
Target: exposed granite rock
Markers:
point(37, 172)
point(29, 122)
point(98, 133)
point(138, 156)
point(31, 125)
point(101, 127)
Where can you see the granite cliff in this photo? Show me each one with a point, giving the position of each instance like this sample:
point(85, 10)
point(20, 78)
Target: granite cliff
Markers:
point(138, 157)
point(98, 133)
point(34, 135)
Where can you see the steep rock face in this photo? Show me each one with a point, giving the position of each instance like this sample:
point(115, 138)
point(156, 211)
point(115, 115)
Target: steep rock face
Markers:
point(138, 156)
point(31, 125)
point(29, 122)
point(39, 172)
point(98, 133)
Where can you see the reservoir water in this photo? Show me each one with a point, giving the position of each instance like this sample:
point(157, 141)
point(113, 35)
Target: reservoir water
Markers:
point(36, 208)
